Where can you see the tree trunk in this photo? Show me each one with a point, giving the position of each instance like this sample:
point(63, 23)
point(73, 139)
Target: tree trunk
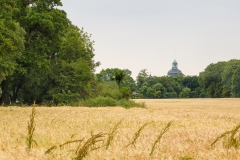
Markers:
point(5, 99)
point(15, 91)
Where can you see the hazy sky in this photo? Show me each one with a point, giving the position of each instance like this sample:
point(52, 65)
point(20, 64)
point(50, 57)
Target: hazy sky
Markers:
point(150, 34)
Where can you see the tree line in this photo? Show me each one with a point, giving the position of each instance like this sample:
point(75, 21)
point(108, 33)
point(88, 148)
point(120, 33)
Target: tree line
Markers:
point(219, 80)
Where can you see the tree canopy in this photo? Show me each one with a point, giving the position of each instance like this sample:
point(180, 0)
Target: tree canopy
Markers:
point(44, 57)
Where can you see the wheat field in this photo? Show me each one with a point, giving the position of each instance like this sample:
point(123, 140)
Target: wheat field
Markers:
point(196, 123)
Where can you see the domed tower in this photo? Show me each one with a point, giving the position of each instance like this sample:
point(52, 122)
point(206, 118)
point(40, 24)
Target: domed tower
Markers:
point(174, 71)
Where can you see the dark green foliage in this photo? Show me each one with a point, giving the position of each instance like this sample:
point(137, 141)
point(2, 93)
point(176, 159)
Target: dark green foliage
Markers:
point(54, 65)
point(125, 92)
point(109, 89)
point(110, 74)
point(100, 102)
point(159, 87)
point(185, 93)
point(108, 101)
point(227, 74)
point(11, 39)
point(210, 80)
point(190, 82)
point(71, 82)
point(118, 77)
point(235, 87)
point(129, 82)
point(141, 78)
point(112, 91)
point(11, 46)
point(159, 90)
point(217, 79)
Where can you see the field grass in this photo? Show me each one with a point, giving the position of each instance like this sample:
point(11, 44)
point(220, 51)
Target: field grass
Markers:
point(196, 124)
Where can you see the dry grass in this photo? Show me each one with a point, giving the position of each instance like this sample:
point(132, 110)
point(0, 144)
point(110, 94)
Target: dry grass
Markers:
point(197, 123)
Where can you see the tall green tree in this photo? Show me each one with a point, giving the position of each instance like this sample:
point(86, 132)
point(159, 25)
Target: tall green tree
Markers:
point(235, 88)
point(159, 90)
point(73, 68)
point(11, 45)
point(227, 74)
point(109, 74)
point(141, 78)
point(57, 63)
point(119, 76)
point(45, 25)
point(190, 82)
point(210, 80)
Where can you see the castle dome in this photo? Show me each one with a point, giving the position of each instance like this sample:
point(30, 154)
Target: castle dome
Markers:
point(174, 71)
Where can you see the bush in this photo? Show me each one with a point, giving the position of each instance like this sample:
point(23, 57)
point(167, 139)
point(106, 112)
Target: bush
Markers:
point(110, 89)
point(100, 102)
point(185, 93)
point(108, 101)
point(125, 92)
point(170, 95)
point(130, 104)
point(202, 95)
point(111, 95)
point(64, 98)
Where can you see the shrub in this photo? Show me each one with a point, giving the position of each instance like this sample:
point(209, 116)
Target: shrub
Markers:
point(100, 102)
point(110, 89)
point(108, 101)
point(130, 104)
point(185, 93)
point(125, 92)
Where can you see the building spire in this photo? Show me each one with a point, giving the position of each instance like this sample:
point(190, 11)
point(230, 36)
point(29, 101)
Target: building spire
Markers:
point(175, 64)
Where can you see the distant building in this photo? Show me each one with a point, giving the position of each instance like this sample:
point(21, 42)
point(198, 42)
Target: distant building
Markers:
point(174, 71)
point(150, 76)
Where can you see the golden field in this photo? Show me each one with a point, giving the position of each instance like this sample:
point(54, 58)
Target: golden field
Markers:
point(196, 124)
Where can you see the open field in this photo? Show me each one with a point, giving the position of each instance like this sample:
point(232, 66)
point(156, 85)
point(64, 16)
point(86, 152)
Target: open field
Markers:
point(196, 124)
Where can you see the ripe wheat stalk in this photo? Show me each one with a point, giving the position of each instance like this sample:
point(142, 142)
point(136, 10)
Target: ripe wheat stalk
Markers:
point(89, 145)
point(137, 134)
point(160, 136)
point(230, 138)
point(112, 134)
point(62, 145)
point(31, 128)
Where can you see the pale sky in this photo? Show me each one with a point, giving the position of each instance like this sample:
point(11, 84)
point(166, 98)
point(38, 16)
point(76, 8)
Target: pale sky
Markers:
point(150, 34)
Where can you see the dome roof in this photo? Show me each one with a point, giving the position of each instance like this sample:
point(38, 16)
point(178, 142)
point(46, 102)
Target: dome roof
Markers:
point(174, 71)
